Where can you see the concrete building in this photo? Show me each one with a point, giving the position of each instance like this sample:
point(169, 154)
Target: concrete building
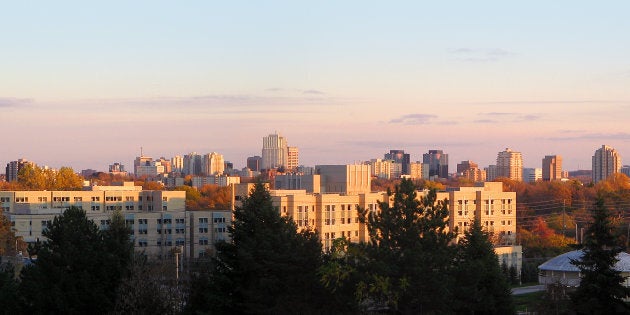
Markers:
point(606, 162)
point(510, 164)
point(552, 168)
point(177, 164)
point(254, 163)
point(400, 157)
point(438, 163)
point(295, 181)
point(293, 158)
point(158, 219)
point(466, 165)
point(144, 166)
point(213, 164)
point(625, 170)
point(117, 169)
point(475, 175)
point(532, 175)
point(383, 168)
point(344, 179)
point(193, 164)
point(491, 172)
point(493, 207)
point(274, 152)
point(220, 180)
point(418, 170)
point(14, 167)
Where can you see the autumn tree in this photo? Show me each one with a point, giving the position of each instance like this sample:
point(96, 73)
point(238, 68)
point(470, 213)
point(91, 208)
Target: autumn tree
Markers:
point(33, 177)
point(601, 289)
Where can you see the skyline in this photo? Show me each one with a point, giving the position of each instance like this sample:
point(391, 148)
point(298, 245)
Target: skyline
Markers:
point(87, 85)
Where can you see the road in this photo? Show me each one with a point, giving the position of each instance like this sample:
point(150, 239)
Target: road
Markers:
point(529, 289)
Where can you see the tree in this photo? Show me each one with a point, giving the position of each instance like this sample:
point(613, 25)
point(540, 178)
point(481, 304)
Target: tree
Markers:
point(269, 267)
point(408, 256)
point(481, 286)
point(601, 290)
point(78, 268)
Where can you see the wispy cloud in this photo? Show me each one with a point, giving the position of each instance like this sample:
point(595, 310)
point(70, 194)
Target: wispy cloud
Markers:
point(481, 55)
point(313, 92)
point(13, 102)
point(502, 117)
point(413, 119)
point(595, 136)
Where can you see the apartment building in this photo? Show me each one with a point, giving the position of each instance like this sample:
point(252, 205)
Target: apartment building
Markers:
point(158, 220)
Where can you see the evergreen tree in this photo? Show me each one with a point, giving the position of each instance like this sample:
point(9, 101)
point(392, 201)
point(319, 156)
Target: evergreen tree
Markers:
point(8, 289)
point(269, 267)
point(408, 256)
point(78, 268)
point(601, 290)
point(481, 286)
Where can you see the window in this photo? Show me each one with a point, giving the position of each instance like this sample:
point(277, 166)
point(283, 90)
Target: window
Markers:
point(203, 230)
point(203, 220)
point(21, 199)
point(219, 220)
point(78, 199)
point(203, 242)
point(96, 208)
point(129, 207)
point(167, 221)
point(96, 198)
point(179, 221)
point(164, 198)
point(164, 208)
point(4, 199)
point(179, 231)
point(42, 199)
point(142, 231)
point(220, 230)
point(180, 242)
point(129, 198)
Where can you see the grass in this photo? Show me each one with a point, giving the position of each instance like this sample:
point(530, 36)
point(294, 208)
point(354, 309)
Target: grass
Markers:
point(527, 302)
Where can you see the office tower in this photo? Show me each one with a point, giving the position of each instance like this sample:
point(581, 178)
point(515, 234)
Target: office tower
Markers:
point(625, 170)
point(552, 167)
point(146, 166)
point(400, 157)
point(382, 168)
point(466, 165)
point(293, 158)
point(418, 170)
point(606, 162)
point(491, 172)
point(532, 175)
point(510, 164)
point(116, 168)
point(177, 164)
point(14, 167)
point(213, 163)
point(438, 163)
point(274, 152)
point(254, 163)
point(193, 164)
point(165, 163)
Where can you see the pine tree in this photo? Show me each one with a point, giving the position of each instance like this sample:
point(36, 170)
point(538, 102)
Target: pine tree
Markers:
point(408, 256)
point(481, 287)
point(268, 267)
point(601, 290)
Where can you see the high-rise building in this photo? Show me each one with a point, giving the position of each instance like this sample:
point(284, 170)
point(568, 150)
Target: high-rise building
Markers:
point(510, 164)
point(193, 164)
point(625, 170)
point(418, 170)
point(213, 164)
point(491, 172)
point(400, 157)
point(552, 167)
point(438, 163)
point(177, 164)
point(532, 175)
point(14, 167)
point(293, 158)
point(606, 162)
point(466, 165)
point(254, 163)
point(274, 152)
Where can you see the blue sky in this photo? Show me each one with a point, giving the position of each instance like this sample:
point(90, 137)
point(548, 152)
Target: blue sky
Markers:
point(87, 85)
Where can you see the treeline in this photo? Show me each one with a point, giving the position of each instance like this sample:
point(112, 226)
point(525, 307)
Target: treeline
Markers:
point(32, 177)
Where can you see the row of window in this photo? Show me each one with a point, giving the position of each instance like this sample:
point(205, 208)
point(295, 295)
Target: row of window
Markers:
point(77, 199)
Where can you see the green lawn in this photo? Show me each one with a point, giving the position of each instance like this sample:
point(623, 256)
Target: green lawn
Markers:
point(527, 302)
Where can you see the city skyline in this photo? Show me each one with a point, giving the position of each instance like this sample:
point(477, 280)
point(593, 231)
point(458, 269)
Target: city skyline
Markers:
point(87, 85)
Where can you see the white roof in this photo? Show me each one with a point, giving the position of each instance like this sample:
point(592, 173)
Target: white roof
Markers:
point(563, 262)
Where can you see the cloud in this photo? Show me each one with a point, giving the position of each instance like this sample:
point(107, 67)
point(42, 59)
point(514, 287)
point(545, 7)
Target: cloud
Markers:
point(13, 102)
point(595, 136)
point(315, 92)
point(481, 55)
point(506, 117)
point(485, 121)
point(413, 119)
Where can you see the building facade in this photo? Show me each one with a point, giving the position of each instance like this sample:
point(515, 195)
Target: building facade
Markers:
point(293, 158)
point(532, 175)
point(510, 165)
point(606, 162)
point(438, 163)
point(13, 169)
point(213, 164)
point(345, 179)
point(158, 220)
point(400, 157)
point(254, 163)
point(274, 152)
point(552, 167)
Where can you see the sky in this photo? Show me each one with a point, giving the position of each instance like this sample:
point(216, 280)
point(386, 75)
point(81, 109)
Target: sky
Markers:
point(88, 84)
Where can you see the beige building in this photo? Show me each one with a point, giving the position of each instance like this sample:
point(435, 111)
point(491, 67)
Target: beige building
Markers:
point(552, 167)
point(510, 164)
point(494, 208)
point(381, 168)
point(346, 179)
point(606, 162)
point(213, 164)
point(293, 158)
point(158, 219)
point(274, 152)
